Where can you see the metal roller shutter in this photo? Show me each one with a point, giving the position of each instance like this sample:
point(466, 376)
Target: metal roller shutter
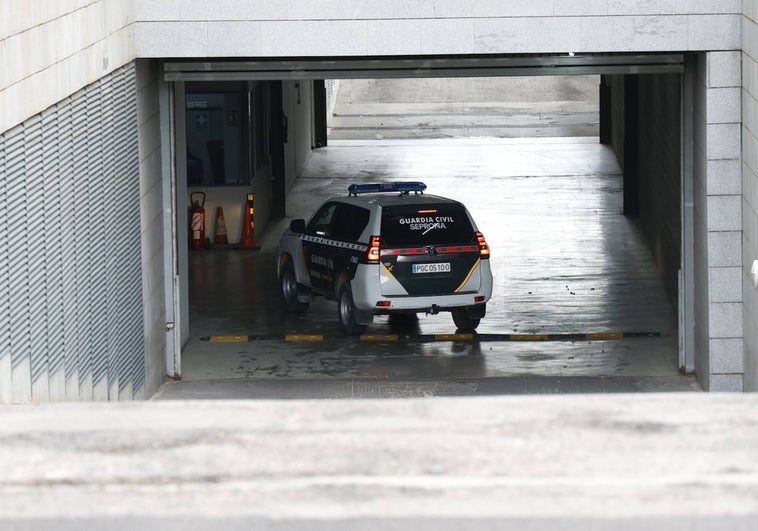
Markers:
point(53, 294)
point(18, 263)
point(35, 234)
point(5, 316)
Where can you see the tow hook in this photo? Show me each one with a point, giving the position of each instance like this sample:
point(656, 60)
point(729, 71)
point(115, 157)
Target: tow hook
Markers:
point(434, 310)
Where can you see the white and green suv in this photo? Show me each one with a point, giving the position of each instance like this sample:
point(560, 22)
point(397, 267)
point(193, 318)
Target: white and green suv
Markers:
point(385, 249)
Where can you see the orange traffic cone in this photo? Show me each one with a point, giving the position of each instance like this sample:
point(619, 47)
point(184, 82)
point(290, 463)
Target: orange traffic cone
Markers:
point(248, 225)
point(220, 237)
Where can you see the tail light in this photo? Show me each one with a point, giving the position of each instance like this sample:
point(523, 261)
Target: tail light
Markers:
point(484, 249)
point(374, 249)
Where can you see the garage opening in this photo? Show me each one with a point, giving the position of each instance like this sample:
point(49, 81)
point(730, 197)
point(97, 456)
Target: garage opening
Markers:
point(587, 235)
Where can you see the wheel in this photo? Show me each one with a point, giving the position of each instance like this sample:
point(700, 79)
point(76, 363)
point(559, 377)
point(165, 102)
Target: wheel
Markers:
point(289, 291)
point(346, 312)
point(463, 322)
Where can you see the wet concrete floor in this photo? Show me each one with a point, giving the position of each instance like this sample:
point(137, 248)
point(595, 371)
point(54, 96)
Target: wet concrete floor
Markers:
point(564, 258)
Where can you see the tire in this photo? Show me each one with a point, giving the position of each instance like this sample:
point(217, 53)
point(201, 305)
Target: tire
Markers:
point(463, 322)
point(346, 312)
point(290, 290)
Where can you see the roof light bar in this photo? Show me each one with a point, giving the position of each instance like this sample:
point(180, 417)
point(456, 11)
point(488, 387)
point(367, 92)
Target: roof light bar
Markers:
point(404, 187)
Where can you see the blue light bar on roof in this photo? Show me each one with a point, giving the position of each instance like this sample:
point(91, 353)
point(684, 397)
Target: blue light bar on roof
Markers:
point(403, 187)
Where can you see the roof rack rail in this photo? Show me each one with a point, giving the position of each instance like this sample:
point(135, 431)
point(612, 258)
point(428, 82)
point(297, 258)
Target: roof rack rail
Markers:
point(404, 187)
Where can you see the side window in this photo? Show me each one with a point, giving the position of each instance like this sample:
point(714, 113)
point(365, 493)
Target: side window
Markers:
point(319, 224)
point(358, 222)
point(349, 222)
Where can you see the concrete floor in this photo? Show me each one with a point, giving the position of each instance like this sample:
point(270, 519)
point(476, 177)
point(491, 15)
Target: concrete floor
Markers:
point(564, 258)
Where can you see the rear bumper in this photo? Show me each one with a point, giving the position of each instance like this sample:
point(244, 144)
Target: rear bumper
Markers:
point(367, 292)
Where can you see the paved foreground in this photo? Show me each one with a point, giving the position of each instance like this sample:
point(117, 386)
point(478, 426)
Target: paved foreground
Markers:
point(661, 461)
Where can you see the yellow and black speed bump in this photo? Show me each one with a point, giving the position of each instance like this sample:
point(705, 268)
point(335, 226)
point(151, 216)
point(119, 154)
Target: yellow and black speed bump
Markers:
point(431, 338)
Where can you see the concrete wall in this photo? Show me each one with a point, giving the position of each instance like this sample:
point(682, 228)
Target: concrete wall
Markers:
point(750, 191)
point(151, 221)
point(49, 50)
point(618, 99)
point(298, 108)
point(659, 165)
point(239, 28)
point(660, 174)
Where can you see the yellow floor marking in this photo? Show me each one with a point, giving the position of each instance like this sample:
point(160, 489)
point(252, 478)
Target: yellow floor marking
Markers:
point(529, 337)
point(229, 339)
point(303, 337)
point(379, 337)
point(453, 337)
point(605, 335)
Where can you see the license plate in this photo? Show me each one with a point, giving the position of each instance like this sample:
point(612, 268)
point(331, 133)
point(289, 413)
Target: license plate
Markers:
point(442, 267)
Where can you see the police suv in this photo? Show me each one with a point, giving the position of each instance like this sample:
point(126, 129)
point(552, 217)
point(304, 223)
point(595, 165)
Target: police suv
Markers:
point(384, 249)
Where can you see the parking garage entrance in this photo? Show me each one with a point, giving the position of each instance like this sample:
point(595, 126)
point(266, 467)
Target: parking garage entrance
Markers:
point(588, 245)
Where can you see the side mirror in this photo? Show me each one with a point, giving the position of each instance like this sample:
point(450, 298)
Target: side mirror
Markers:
point(297, 226)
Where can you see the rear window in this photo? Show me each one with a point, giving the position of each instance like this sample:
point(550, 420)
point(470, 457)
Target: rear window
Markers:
point(428, 224)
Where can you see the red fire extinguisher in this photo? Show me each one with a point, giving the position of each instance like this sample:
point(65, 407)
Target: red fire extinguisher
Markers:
point(197, 220)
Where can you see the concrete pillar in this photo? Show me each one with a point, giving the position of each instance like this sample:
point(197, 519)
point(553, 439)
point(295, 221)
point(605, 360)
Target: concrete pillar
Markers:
point(750, 190)
point(631, 146)
point(606, 118)
point(718, 222)
point(319, 113)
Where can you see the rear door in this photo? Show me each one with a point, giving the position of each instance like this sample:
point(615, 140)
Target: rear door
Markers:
point(330, 245)
point(349, 223)
point(318, 254)
point(428, 249)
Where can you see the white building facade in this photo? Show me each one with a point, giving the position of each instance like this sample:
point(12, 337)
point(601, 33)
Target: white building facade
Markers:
point(90, 293)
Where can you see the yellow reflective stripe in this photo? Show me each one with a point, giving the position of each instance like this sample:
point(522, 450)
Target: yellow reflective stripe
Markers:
point(471, 272)
point(229, 339)
point(605, 335)
point(453, 337)
point(386, 271)
point(379, 337)
point(529, 337)
point(303, 337)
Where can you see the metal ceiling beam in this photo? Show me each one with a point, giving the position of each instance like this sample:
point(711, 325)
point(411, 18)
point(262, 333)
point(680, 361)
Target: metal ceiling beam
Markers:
point(376, 68)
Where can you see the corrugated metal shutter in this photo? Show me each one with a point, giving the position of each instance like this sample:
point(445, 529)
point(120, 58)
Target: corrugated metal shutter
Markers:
point(67, 141)
point(73, 296)
point(130, 366)
point(93, 195)
point(82, 237)
point(18, 263)
point(52, 222)
point(35, 235)
point(5, 315)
